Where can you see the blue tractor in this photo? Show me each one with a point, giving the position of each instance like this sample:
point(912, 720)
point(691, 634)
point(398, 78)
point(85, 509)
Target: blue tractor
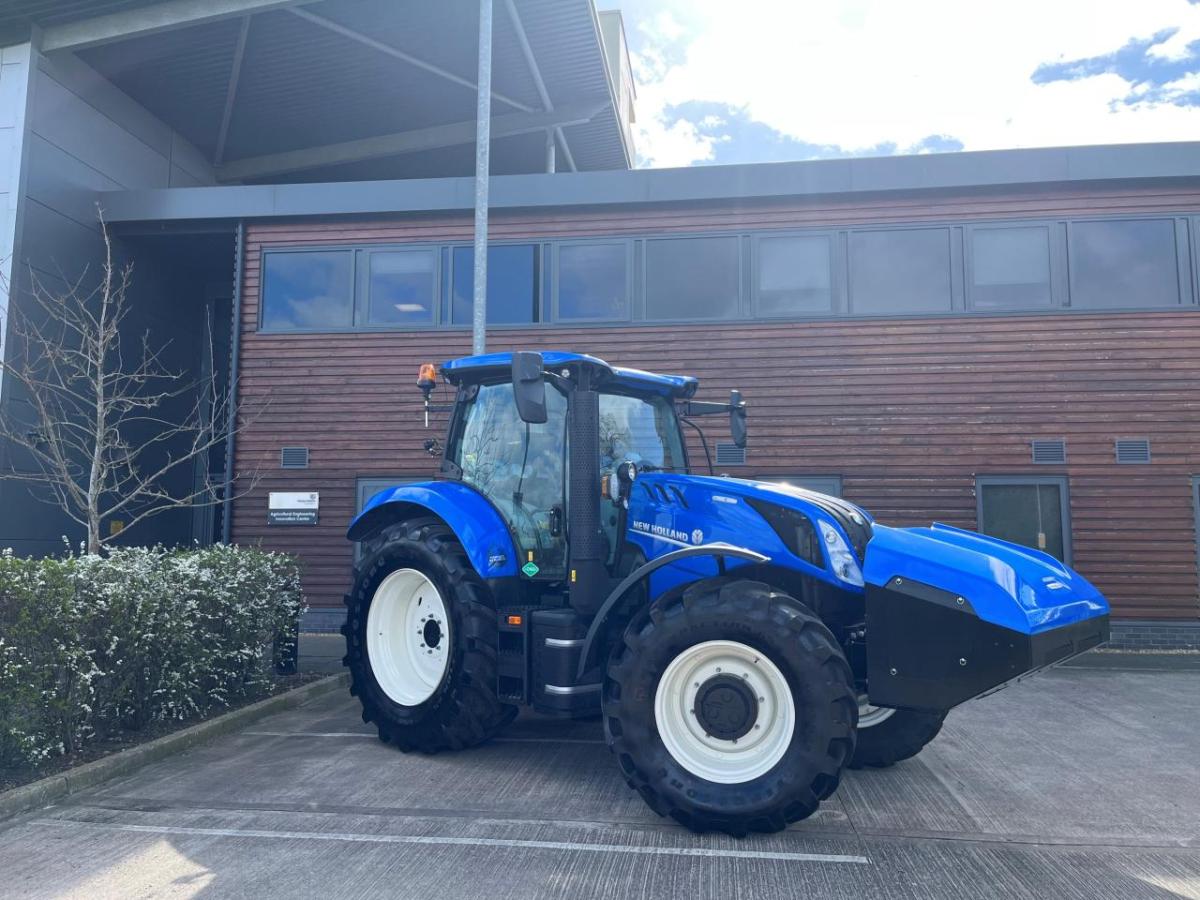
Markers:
point(743, 641)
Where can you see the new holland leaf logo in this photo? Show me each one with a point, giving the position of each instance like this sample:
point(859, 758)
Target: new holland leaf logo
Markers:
point(530, 568)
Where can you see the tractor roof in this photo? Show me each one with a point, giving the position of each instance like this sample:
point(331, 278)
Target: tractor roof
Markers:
point(477, 368)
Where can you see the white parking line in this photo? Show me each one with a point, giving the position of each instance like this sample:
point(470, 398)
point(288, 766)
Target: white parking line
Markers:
point(362, 734)
point(347, 837)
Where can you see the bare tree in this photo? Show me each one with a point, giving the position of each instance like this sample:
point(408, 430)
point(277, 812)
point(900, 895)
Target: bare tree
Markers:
point(103, 435)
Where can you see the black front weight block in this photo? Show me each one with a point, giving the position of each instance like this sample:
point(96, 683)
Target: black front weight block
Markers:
point(928, 649)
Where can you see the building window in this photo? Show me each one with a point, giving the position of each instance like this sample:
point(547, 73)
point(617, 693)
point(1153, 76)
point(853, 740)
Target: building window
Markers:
point(1123, 263)
point(593, 282)
point(1027, 510)
point(397, 287)
point(307, 291)
point(512, 285)
point(693, 278)
point(822, 484)
point(794, 275)
point(900, 271)
point(1010, 267)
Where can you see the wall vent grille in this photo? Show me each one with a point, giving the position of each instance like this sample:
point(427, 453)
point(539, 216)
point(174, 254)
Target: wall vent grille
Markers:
point(1133, 450)
point(730, 454)
point(293, 458)
point(1049, 452)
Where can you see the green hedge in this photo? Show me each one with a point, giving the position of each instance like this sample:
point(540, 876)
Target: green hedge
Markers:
point(94, 646)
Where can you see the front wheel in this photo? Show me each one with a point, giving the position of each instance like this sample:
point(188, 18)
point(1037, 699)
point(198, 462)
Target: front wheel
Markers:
point(886, 736)
point(730, 708)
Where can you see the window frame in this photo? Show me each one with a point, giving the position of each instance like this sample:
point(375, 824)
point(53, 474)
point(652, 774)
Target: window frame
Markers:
point(955, 270)
point(1058, 298)
point(1064, 296)
point(1063, 483)
point(837, 267)
point(362, 305)
point(264, 255)
point(555, 248)
point(446, 296)
point(1182, 288)
point(741, 304)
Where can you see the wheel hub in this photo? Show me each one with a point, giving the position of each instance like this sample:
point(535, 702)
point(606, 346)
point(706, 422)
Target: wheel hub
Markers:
point(726, 708)
point(408, 637)
point(724, 711)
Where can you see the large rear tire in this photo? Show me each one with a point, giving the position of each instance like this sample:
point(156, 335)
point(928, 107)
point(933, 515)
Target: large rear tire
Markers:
point(888, 736)
point(421, 639)
point(730, 707)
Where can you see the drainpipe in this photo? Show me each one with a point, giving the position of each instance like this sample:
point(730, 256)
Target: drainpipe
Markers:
point(235, 346)
point(483, 136)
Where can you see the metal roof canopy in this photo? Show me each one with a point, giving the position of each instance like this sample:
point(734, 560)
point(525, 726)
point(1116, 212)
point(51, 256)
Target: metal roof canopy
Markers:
point(337, 90)
point(986, 170)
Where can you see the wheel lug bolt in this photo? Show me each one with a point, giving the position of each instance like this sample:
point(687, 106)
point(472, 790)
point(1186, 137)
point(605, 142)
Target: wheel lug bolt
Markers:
point(757, 726)
point(745, 674)
point(762, 699)
point(718, 668)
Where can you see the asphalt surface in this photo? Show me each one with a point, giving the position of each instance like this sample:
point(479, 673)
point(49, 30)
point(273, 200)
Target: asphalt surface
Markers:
point(1081, 782)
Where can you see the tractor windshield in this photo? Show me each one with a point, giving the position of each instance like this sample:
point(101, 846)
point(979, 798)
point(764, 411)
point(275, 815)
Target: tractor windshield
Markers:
point(519, 467)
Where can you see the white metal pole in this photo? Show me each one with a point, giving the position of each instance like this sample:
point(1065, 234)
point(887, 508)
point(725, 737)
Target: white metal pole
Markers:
point(483, 123)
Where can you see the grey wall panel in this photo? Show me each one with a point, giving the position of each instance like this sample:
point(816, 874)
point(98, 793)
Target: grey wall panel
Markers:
point(67, 121)
point(62, 182)
point(188, 159)
point(55, 244)
point(108, 100)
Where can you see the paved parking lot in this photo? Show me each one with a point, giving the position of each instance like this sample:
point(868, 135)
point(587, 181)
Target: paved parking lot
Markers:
point(1078, 783)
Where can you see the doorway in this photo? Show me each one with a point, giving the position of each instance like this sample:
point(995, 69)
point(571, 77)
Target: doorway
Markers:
point(1031, 510)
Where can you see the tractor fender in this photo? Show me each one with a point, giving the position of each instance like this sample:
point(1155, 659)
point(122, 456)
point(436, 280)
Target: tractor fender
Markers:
point(472, 518)
point(717, 548)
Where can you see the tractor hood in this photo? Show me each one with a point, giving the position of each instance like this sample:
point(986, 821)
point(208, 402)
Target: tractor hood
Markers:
point(1006, 584)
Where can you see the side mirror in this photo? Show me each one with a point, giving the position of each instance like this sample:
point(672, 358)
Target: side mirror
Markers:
point(529, 387)
point(737, 418)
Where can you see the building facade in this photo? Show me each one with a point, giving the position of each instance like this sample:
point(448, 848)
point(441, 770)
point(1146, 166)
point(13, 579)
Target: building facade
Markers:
point(1019, 361)
point(1001, 341)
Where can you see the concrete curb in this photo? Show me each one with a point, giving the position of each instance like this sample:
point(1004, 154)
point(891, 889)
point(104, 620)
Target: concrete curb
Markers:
point(47, 790)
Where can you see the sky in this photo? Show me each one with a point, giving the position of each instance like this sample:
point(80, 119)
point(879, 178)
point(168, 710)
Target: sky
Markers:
point(731, 81)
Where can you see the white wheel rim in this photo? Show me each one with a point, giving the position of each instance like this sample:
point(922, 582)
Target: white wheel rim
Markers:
point(408, 637)
point(709, 757)
point(869, 715)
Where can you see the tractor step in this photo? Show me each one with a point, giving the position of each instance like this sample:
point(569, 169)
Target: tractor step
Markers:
point(537, 658)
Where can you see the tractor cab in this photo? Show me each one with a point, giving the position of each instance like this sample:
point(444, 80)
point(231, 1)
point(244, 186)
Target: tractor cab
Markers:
point(554, 443)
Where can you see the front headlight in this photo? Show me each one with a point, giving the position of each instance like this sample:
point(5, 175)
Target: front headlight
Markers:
point(841, 559)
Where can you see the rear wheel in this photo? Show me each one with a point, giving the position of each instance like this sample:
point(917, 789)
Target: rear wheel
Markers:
point(886, 736)
point(730, 708)
point(421, 641)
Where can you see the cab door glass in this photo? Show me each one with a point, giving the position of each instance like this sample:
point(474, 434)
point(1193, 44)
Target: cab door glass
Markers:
point(643, 431)
point(520, 467)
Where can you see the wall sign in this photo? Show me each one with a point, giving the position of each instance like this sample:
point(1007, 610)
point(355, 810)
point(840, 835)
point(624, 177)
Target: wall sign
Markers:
point(293, 507)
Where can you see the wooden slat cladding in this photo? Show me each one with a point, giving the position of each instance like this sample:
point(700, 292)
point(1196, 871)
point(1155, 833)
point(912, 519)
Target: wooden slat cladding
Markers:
point(907, 411)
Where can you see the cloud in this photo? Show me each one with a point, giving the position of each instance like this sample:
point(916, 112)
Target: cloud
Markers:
point(1167, 76)
point(759, 79)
